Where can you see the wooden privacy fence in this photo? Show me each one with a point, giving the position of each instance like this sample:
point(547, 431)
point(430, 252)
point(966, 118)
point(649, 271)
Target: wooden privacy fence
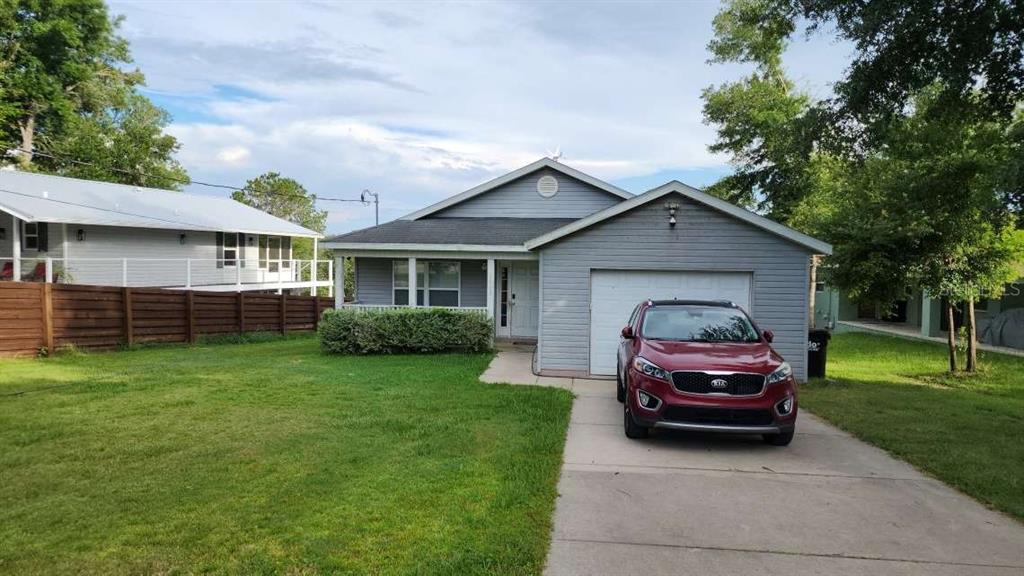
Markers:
point(35, 316)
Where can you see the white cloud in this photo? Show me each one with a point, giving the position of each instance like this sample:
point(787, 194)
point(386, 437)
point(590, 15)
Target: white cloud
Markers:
point(420, 101)
point(234, 155)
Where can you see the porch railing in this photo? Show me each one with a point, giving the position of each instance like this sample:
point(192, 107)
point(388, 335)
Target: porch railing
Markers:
point(184, 273)
point(372, 307)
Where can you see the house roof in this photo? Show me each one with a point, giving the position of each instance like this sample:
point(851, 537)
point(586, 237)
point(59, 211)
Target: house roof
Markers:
point(813, 244)
point(513, 175)
point(449, 232)
point(45, 198)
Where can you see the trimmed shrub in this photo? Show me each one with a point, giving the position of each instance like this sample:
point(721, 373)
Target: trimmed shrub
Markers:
point(404, 330)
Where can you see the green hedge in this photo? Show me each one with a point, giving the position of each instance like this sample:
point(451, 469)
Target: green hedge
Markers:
point(396, 331)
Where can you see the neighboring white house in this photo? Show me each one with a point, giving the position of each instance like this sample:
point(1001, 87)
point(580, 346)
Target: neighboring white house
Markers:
point(56, 229)
point(557, 256)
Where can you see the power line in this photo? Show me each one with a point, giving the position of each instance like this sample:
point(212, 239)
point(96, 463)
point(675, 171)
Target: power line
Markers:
point(186, 181)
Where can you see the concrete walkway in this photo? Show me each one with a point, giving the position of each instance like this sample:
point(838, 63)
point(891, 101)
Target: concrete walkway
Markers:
point(698, 504)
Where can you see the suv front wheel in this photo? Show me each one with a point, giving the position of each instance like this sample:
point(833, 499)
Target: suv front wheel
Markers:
point(633, 430)
point(781, 439)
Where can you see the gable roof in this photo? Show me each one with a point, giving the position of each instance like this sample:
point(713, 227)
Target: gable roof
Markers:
point(513, 175)
point(813, 244)
point(465, 231)
point(45, 198)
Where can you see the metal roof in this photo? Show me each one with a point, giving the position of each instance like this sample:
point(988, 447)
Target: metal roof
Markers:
point(46, 198)
point(466, 231)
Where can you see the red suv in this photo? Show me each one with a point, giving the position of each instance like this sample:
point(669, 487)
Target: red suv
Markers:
point(696, 365)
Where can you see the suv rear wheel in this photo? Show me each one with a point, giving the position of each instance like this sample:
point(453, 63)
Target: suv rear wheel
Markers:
point(781, 439)
point(633, 430)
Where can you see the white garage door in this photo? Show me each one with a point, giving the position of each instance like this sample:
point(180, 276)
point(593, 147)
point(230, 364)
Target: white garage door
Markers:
point(614, 294)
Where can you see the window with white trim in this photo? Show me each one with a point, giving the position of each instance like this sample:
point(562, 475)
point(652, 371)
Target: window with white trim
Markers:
point(437, 283)
point(30, 239)
point(230, 248)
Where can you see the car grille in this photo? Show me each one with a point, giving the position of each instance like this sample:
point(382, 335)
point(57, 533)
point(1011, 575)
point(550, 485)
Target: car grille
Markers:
point(737, 384)
point(719, 416)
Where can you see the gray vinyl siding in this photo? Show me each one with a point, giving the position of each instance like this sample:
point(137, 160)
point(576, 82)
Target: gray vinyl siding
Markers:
point(641, 239)
point(473, 283)
point(519, 199)
point(155, 257)
point(374, 282)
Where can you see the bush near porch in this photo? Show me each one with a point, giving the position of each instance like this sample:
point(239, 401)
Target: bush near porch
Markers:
point(409, 330)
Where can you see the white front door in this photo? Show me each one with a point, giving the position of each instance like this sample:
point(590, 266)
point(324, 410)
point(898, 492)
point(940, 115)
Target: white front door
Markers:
point(516, 299)
point(614, 294)
point(524, 298)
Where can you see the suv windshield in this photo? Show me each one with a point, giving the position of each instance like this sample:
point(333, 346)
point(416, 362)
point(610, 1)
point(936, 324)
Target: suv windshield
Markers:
point(697, 324)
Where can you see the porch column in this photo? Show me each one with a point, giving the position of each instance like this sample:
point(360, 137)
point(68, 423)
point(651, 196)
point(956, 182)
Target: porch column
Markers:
point(312, 271)
point(339, 280)
point(490, 288)
point(412, 282)
point(16, 248)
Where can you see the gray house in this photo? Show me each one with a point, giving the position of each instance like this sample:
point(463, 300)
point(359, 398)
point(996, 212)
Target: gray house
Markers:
point(56, 229)
point(561, 258)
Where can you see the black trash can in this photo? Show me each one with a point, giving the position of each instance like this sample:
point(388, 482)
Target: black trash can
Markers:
point(817, 349)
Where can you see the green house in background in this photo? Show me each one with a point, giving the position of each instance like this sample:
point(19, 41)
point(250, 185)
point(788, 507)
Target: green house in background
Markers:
point(1000, 321)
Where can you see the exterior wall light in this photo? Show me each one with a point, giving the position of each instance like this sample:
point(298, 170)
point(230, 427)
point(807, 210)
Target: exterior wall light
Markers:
point(182, 238)
point(672, 207)
point(80, 235)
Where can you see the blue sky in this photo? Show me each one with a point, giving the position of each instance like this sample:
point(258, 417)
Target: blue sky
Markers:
point(419, 101)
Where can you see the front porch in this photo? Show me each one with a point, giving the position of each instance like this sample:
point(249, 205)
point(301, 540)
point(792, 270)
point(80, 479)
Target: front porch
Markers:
point(504, 286)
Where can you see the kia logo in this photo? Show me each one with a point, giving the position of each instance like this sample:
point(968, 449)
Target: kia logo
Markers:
point(719, 383)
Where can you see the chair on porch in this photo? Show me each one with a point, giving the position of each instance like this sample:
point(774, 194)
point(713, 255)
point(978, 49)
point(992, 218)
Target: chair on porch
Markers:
point(38, 274)
point(8, 271)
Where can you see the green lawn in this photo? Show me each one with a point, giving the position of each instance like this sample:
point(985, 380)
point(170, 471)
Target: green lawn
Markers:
point(273, 458)
point(967, 430)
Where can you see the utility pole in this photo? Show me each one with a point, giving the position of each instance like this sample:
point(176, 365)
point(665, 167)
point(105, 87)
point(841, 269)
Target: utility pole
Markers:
point(376, 204)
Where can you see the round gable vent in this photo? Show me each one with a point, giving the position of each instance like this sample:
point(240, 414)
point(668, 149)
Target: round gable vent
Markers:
point(547, 186)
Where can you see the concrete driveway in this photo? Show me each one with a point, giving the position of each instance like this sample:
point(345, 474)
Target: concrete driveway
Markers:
point(682, 503)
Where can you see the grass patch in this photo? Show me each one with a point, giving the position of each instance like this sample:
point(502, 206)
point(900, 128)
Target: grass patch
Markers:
point(967, 430)
point(273, 458)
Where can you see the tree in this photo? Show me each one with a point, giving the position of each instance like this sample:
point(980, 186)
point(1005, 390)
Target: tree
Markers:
point(766, 127)
point(926, 211)
point(284, 198)
point(124, 144)
point(973, 50)
point(913, 171)
point(68, 102)
point(58, 58)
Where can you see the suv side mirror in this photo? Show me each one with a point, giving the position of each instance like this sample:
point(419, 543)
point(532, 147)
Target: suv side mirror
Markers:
point(627, 332)
point(768, 335)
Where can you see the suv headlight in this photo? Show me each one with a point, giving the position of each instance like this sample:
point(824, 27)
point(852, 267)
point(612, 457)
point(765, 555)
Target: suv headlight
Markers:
point(649, 368)
point(781, 373)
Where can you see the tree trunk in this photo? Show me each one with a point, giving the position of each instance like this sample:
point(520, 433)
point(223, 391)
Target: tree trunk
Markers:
point(951, 336)
point(812, 321)
point(972, 337)
point(27, 128)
